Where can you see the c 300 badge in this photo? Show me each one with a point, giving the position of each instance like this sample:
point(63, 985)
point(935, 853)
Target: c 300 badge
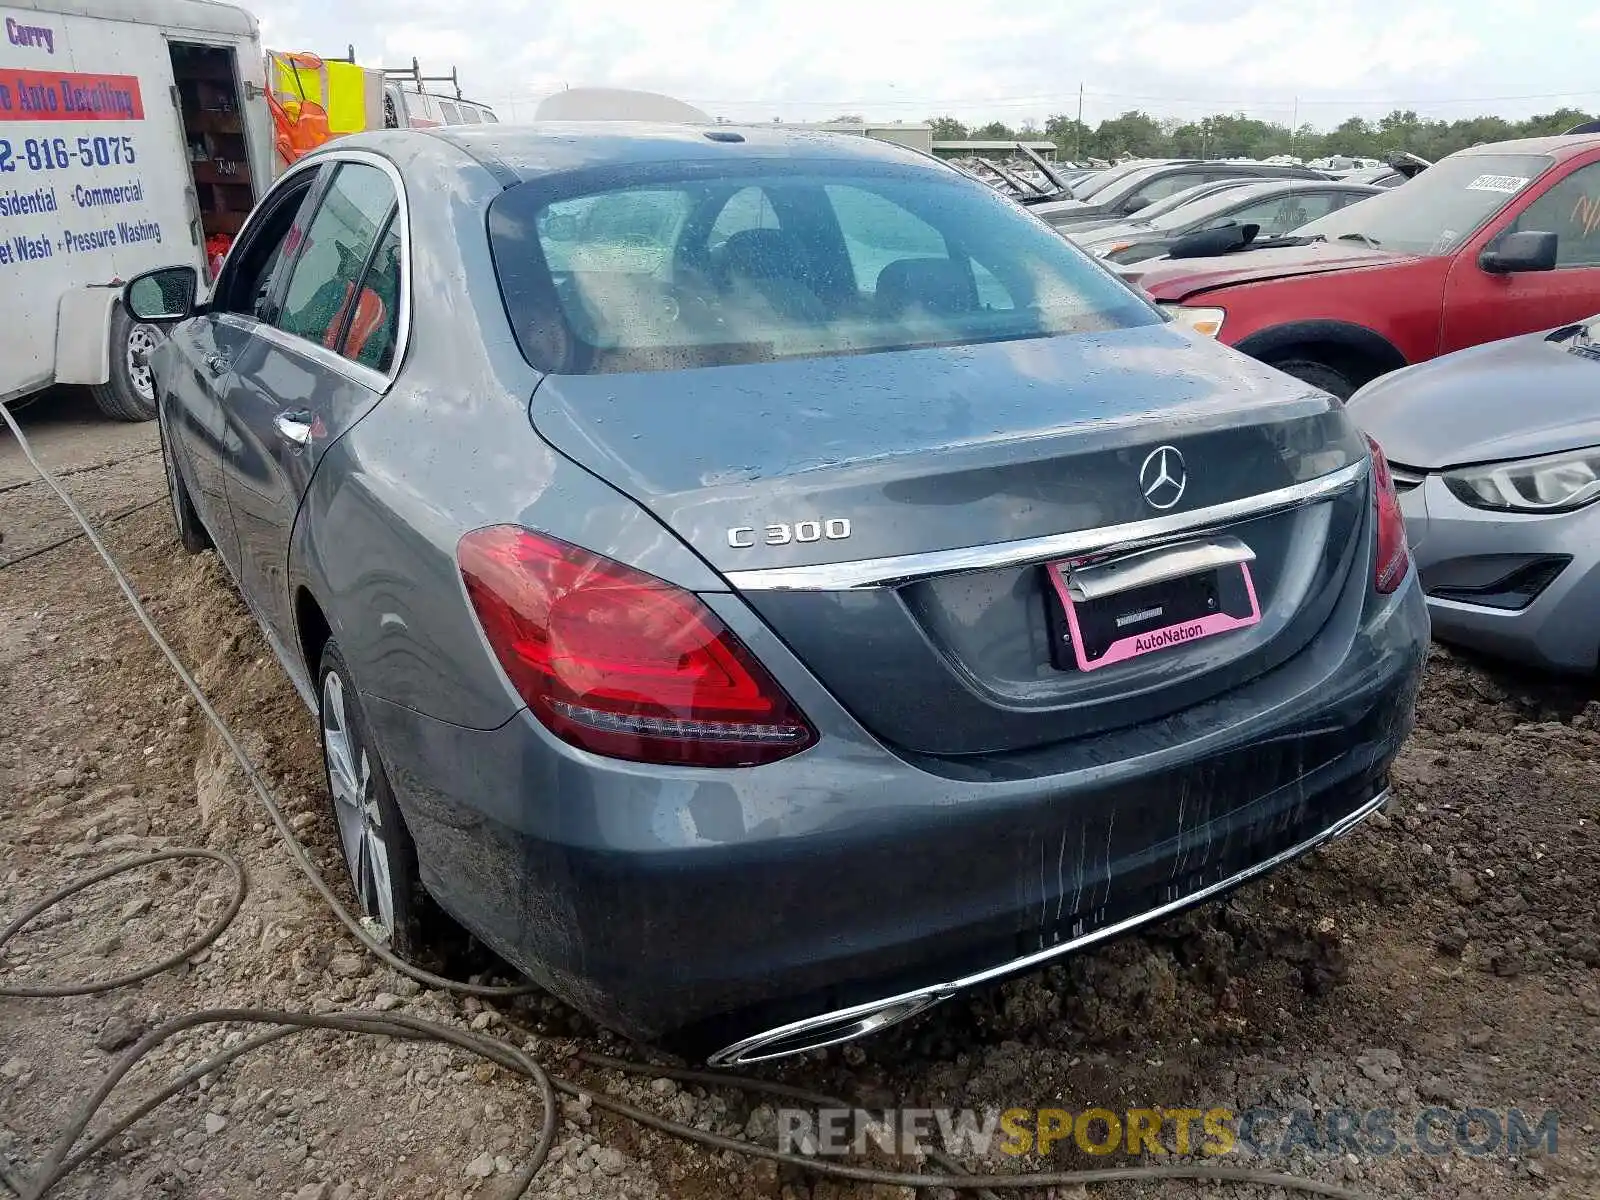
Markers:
point(833, 529)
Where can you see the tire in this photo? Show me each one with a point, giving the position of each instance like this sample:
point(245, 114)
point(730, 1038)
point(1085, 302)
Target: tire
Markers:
point(191, 532)
point(377, 847)
point(130, 395)
point(1319, 375)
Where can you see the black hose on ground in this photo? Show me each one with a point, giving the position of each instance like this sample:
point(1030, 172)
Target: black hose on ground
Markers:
point(96, 986)
point(60, 1160)
point(36, 551)
point(83, 470)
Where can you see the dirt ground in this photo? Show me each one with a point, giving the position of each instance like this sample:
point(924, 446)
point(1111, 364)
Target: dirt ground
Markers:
point(1446, 955)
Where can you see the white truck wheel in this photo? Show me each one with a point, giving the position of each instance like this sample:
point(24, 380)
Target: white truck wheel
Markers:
point(130, 394)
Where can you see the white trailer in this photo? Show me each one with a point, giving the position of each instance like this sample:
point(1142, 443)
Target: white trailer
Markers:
point(130, 133)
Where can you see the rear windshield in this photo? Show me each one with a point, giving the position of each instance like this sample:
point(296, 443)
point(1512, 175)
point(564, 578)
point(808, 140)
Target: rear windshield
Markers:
point(1212, 206)
point(658, 269)
point(1160, 208)
point(1095, 184)
point(1438, 210)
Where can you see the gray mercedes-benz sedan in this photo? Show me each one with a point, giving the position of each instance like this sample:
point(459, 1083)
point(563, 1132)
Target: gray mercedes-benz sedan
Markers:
point(762, 583)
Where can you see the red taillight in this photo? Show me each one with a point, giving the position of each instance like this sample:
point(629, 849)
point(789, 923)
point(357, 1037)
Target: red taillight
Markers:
point(1394, 558)
point(620, 662)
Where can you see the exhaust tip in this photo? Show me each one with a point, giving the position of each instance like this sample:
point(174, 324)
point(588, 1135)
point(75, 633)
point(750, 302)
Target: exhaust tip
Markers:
point(829, 1029)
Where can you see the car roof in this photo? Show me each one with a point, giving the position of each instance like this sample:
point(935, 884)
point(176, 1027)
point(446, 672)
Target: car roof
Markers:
point(1261, 189)
point(537, 148)
point(1242, 169)
point(1560, 146)
point(1266, 187)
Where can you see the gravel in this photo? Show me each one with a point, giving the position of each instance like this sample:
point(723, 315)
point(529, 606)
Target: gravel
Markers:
point(1446, 954)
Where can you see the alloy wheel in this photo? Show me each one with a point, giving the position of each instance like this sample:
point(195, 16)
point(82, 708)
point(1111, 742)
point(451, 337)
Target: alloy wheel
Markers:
point(355, 807)
point(142, 341)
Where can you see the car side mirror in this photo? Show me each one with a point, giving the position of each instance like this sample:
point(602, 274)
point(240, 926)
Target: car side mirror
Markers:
point(1208, 243)
point(163, 295)
point(1524, 250)
point(1134, 205)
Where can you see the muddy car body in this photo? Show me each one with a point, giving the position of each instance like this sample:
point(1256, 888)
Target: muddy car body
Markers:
point(691, 610)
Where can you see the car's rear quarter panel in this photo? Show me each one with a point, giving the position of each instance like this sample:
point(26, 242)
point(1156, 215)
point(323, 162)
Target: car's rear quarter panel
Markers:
point(448, 450)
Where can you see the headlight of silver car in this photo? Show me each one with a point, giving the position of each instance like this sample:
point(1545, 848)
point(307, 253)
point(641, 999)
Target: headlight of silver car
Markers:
point(1207, 321)
point(1555, 483)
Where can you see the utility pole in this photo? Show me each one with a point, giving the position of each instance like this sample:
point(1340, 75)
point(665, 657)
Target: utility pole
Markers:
point(1077, 151)
point(1294, 126)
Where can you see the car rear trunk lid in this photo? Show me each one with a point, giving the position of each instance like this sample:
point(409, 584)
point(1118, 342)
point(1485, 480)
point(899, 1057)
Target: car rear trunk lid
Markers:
point(970, 454)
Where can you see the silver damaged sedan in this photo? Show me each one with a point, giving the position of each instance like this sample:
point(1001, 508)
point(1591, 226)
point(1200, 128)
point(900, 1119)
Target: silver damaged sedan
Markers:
point(1496, 454)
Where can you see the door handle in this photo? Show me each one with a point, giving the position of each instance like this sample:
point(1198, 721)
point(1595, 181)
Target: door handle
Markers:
point(294, 426)
point(217, 365)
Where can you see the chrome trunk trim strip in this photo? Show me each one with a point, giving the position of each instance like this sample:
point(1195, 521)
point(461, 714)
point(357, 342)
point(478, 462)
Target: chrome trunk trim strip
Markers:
point(903, 568)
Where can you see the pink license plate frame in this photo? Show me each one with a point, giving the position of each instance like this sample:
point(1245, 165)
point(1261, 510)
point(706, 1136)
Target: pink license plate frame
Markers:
point(1151, 641)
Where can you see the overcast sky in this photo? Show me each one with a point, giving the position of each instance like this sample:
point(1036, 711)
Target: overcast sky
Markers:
point(982, 60)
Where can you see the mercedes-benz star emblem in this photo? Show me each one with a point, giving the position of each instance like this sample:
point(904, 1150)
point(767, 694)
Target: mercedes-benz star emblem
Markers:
point(1162, 477)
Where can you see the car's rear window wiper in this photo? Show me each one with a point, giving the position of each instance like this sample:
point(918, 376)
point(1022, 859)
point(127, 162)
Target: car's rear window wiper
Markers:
point(1366, 239)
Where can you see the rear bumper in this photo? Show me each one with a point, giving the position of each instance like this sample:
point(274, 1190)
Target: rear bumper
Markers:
point(831, 1027)
point(1556, 630)
point(708, 906)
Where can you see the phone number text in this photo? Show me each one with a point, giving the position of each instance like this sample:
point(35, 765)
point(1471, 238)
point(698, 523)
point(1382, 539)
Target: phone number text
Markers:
point(59, 154)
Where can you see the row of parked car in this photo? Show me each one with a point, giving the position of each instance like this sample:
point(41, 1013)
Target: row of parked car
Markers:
point(1351, 284)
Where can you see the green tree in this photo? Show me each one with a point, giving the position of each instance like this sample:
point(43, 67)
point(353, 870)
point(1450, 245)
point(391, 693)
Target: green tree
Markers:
point(1352, 136)
point(1559, 121)
point(994, 131)
point(1070, 135)
point(1474, 131)
point(1136, 133)
point(1236, 135)
point(947, 129)
point(1398, 130)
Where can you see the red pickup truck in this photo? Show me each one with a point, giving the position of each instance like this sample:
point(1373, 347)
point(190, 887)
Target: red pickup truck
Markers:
point(1491, 242)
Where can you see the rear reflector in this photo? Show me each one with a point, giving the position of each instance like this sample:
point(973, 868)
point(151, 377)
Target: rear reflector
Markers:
point(1393, 559)
point(619, 662)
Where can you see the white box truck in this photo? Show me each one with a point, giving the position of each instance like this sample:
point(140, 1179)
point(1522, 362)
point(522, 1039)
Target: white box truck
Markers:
point(130, 134)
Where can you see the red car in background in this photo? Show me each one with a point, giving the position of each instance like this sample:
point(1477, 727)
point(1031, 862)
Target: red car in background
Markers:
point(1491, 242)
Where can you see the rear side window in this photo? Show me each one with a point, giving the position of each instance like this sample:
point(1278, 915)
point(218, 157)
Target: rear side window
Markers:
point(1167, 185)
point(602, 271)
point(1280, 214)
point(339, 285)
point(372, 325)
